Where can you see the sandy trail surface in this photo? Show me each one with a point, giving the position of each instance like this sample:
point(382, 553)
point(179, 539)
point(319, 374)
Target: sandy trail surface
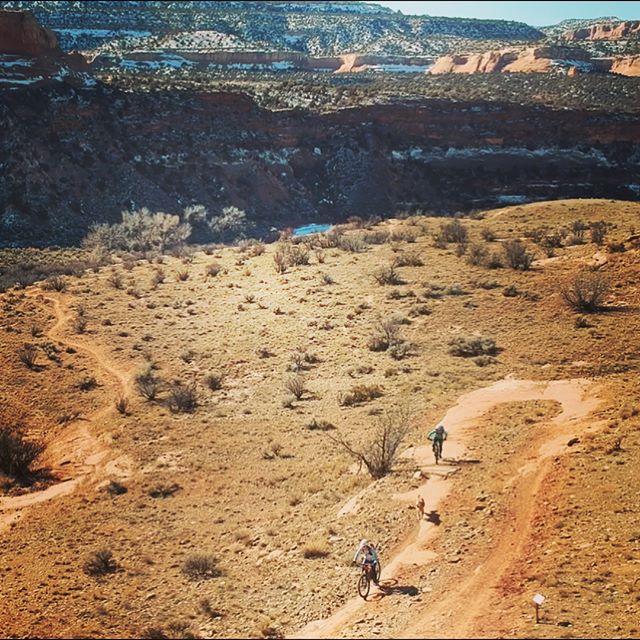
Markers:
point(78, 454)
point(461, 610)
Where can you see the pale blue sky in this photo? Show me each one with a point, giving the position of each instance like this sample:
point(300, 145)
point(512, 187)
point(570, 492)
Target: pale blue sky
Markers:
point(533, 13)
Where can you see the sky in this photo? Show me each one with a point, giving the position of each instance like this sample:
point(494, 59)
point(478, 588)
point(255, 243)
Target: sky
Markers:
point(533, 13)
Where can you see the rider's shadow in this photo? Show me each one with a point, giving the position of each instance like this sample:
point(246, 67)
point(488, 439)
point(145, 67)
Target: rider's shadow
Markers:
point(434, 518)
point(390, 587)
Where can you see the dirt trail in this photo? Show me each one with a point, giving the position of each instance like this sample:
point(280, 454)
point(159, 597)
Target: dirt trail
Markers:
point(78, 454)
point(461, 611)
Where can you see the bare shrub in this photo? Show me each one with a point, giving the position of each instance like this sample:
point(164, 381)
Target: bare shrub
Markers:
point(122, 406)
point(351, 243)
point(157, 278)
point(380, 452)
point(375, 237)
point(477, 254)
point(488, 235)
point(148, 384)
point(296, 386)
point(28, 355)
point(80, 323)
point(182, 398)
point(360, 393)
point(517, 256)
point(387, 275)
point(87, 383)
point(387, 333)
point(298, 254)
point(100, 563)
point(164, 489)
point(182, 275)
point(115, 279)
point(17, 452)
point(586, 291)
point(453, 231)
point(55, 283)
point(201, 566)
point(319, 425)
point(599, 230)
point(410, 259)
point(469, 346)
point(280, 261)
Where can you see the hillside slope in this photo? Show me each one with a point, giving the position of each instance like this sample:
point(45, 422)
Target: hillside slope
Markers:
point(250, 480)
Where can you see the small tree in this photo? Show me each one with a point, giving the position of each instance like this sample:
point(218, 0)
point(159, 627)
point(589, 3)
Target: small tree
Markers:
point(379, 454)
point(586, 292)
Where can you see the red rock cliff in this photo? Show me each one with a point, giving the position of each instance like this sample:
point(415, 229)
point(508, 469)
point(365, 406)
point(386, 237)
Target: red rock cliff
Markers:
point(20, 34)
point(605, 31)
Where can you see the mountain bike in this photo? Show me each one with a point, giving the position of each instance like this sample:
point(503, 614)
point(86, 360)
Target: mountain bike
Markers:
point(437, 449)
point(369, 572)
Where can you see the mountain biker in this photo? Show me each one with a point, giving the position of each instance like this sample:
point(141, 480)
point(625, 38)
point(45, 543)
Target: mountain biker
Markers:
point(369, 557)
point(438, 434)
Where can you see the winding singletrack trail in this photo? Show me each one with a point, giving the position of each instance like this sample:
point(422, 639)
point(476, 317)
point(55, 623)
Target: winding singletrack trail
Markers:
point(78, 454)
point(461, 610)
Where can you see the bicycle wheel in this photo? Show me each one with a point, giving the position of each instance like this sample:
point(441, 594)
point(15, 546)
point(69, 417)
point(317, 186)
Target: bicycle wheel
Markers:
point(363, 585)
point(378, 571)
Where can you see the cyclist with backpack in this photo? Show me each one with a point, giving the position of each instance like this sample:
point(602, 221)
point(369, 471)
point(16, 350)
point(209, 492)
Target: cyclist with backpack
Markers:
point(437, 436)
point(369, 556)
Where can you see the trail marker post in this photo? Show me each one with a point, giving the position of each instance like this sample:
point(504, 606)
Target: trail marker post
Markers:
point(538, 599)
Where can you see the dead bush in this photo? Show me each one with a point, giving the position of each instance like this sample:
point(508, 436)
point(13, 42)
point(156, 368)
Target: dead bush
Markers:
point(319, 425)
point(387, 275)
point(517, 256)
point(453, 231)
point(28, 355)
point(55, 283)
point(410, 259)
point(477, 254)
point(296, 386)
point(100, 563)
point(17, 452)
point(115, 279)
point(470, 346)
point(586, 291)
point(182, 398)
point(359, 394)
point(387, 333)
point(148, 384)
point(122, 406)
point(380, 452)
point(201, 566)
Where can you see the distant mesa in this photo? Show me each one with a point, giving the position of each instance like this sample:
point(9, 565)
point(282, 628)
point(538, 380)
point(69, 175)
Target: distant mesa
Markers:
point(544, 59)
point(605, 31)
point(29, 52)
point(21, 34)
